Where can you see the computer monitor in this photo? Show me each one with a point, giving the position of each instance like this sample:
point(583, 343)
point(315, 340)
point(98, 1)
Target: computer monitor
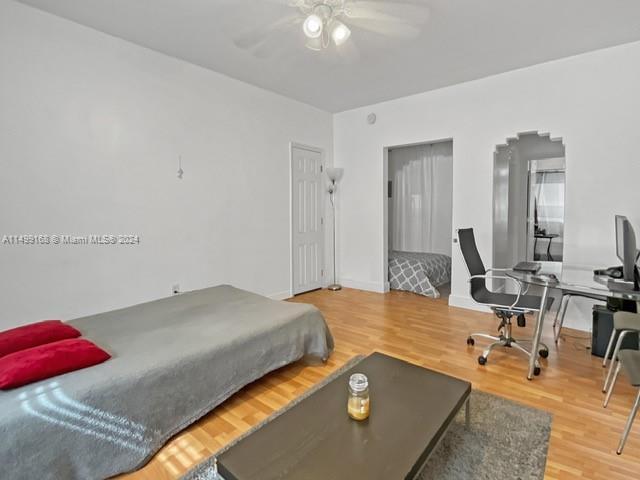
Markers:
point(620, 219)
point(630, 253)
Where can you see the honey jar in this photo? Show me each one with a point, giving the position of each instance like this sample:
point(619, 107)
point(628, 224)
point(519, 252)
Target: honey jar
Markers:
point(359, 404)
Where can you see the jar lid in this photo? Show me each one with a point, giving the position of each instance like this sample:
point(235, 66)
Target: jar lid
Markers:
point(358, 382)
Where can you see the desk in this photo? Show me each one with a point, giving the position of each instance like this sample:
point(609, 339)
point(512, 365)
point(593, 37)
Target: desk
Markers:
point(570, 279)
point(548, 236)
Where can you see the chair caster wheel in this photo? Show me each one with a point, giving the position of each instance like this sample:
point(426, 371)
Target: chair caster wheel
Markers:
point(482, 360)
point(471, 341)
point(544, 353)
point(536, 371)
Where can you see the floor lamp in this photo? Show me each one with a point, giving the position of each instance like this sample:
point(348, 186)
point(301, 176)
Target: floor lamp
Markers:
point(334, 174)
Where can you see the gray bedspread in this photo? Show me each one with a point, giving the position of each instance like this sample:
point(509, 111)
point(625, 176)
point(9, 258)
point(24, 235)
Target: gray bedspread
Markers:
point(419, 272)
point(173, 360)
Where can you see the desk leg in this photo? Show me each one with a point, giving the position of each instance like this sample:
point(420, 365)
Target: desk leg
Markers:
point(535, 344)
point(549, 257)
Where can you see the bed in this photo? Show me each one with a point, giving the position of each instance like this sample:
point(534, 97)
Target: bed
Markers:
point(173, 360)
point(418, 272)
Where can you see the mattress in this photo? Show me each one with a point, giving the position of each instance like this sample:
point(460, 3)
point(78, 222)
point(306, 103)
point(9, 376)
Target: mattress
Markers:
point(418, 272)
point(173, 360)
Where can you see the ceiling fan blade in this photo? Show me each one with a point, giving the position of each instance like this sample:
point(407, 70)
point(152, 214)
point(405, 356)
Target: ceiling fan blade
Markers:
point(284, 3)
point(387, 11)
point(391, 29)
point(265, 50)
point(279, 43)
point(273, 47)
point(366, 14)
point(254, 37)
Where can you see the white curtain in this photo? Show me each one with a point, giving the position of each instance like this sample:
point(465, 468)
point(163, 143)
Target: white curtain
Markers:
point(421, 200)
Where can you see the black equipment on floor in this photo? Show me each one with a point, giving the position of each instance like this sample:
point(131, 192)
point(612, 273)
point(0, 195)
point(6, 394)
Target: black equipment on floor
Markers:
point(602, 328)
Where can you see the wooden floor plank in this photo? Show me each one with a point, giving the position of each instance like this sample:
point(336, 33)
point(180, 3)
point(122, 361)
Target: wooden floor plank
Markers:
point(428, 332)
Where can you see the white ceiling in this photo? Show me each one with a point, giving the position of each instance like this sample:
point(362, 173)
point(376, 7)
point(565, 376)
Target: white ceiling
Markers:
point(462, 40)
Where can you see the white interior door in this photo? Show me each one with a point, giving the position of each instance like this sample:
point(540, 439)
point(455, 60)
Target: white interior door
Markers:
point(307, 221)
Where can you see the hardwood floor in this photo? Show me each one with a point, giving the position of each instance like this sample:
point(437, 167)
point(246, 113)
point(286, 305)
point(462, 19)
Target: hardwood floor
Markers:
point(428, 332)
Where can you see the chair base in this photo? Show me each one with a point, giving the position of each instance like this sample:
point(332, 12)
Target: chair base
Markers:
point(505, 339)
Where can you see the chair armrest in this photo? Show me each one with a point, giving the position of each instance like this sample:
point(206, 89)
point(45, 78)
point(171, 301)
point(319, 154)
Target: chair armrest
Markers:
point(526, 288)
point(498, 270)
point(502, 277)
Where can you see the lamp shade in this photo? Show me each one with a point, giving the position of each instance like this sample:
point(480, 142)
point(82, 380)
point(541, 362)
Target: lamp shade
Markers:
point(334, 174)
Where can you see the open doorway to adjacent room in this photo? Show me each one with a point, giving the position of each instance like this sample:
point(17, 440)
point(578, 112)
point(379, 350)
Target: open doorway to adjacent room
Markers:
point(419, 192)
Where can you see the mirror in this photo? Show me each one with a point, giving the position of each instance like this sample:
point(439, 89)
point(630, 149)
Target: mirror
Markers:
point(528, 200)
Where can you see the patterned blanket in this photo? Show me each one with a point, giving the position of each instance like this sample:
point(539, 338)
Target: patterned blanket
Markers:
point(419, 272)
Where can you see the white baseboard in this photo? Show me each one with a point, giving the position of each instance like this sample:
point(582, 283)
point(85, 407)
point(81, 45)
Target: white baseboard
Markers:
point(381, 287)
point(280, 295)
point(579, 323)
point(466, 302)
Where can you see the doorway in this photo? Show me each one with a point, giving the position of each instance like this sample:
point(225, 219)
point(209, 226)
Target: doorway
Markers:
point(307, 222)
point(419, 217)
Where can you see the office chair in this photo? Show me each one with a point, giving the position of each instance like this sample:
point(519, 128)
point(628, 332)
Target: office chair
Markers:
point(630, 361)
point(504, 305)
point(623, 324)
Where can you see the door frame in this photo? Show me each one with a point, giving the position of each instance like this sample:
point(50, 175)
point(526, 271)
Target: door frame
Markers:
point(385, 202)
point(320, 151)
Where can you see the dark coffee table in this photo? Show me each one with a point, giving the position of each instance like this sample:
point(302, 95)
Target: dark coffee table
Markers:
point(411, 409)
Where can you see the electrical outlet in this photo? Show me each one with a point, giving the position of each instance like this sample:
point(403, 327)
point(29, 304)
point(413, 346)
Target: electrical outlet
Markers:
point(175, 290)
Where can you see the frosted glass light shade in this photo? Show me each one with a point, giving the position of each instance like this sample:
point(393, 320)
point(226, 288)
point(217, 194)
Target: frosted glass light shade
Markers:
point(340, 33)
point(312, 26)
point(314, 44)
point(334, 174)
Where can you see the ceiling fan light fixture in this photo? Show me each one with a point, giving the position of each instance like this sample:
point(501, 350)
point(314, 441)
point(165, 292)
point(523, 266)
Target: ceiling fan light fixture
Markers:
point(313, 26)
point(340, 33)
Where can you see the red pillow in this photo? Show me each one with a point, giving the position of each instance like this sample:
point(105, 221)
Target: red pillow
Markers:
point(45, 361)
point(35, 334)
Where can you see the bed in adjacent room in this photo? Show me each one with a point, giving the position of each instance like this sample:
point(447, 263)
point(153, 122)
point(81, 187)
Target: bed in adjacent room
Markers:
point(418, 272)
point(173, 361)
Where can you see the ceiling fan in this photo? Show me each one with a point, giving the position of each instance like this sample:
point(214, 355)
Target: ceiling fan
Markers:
point(327, 23)
point(322, 21)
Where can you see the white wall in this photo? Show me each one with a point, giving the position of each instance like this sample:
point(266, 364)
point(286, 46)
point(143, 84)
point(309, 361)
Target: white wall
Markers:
point(592, 101)
point(90, 131)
